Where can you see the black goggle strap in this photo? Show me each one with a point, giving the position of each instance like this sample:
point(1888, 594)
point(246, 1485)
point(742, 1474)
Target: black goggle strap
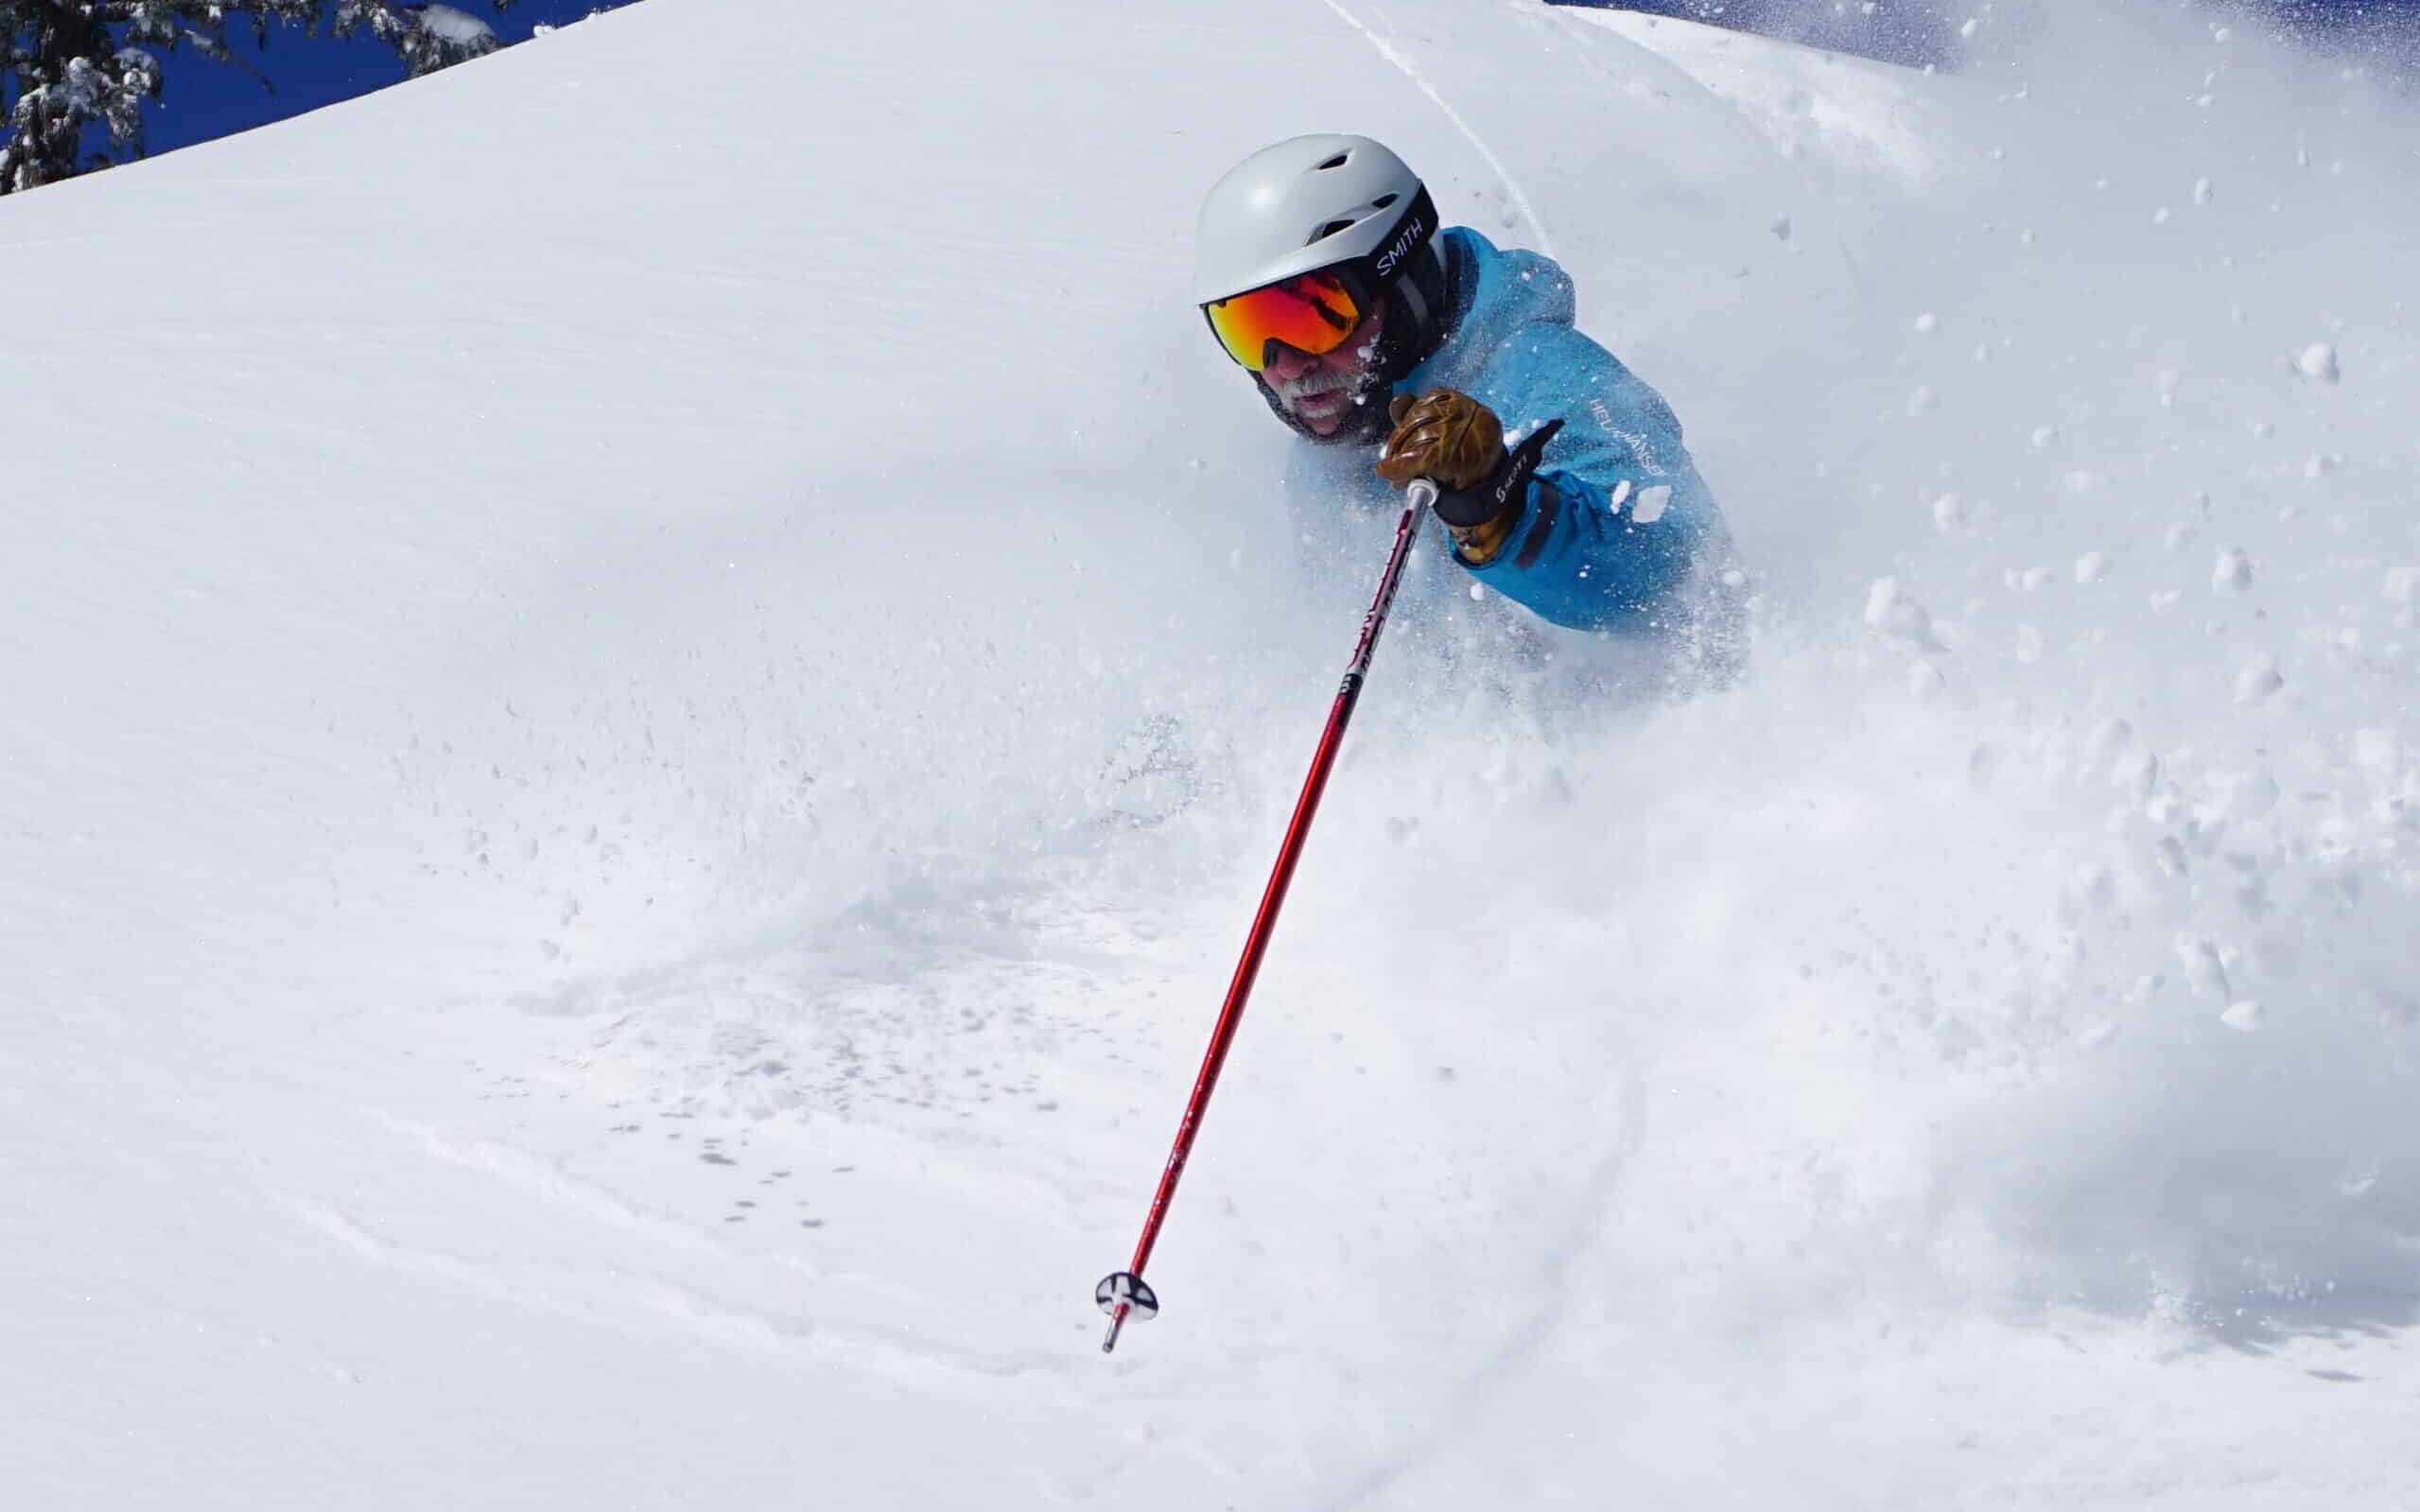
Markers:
point(1395, 257)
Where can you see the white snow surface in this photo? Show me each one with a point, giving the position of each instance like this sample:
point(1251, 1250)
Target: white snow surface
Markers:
point(634, 761)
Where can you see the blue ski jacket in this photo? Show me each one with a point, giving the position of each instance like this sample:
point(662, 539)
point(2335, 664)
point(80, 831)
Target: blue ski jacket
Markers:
point(1619, 535)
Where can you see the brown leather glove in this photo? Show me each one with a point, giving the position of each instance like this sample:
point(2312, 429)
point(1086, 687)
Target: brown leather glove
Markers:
point(1457, 443)
point(1447, 437)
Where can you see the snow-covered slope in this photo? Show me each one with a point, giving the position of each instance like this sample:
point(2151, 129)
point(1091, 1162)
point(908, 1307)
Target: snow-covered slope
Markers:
point(634, 764)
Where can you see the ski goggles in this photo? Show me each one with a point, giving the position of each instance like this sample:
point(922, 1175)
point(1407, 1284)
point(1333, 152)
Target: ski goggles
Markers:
point(1312, 313)
point(1315, 312)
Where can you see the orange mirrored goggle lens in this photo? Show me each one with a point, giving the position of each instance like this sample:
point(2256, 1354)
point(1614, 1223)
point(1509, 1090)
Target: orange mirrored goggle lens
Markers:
point(1313, 314)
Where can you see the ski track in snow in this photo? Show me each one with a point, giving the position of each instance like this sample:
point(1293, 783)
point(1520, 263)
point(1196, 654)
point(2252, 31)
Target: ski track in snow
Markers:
point(624, 1301)
point(548, 1182)
point(454, 1270)
point(1461, 1413)
point(921, 1362)
point(1401, 62)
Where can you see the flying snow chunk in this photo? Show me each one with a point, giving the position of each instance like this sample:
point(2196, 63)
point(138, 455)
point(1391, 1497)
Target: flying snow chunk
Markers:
point(2318, 363)
point(2136, 772)
point(2201, 191)
point(1927, 323)
point(2244, 1018)
point(2094, 889)
point(2170, 380)
point(2108, 741)
point(2258, 682)
point(2402, 584)
point(1651, 503)
point(1949, 513)
point(1895, 612)
point(2231, 572)
point(2045, 437)
point(2091, 566)
point(2203, 972)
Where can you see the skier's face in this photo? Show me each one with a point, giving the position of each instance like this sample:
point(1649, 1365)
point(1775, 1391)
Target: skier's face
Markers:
point(1321, 392)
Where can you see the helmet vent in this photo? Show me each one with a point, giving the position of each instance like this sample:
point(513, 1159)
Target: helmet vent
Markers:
point(1384, 201)
point(1329, 230)
point(1336, 162)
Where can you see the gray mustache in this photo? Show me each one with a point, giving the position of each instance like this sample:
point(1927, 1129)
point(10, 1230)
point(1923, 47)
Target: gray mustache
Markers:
point(1313, 386)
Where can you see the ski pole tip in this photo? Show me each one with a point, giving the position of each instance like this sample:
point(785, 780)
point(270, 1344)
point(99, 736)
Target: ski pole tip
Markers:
point(1123, 1294)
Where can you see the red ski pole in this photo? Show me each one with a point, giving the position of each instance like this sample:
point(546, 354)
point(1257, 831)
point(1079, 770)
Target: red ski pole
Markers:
point(1123, 1293)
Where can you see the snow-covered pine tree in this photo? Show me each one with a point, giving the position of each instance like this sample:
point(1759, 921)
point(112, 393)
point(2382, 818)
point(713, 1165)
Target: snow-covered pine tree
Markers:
point(74, 73)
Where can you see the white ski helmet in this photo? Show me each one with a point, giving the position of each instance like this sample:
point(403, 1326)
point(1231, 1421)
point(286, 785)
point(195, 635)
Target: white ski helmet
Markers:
point(1345, 204)
point(1306, 203)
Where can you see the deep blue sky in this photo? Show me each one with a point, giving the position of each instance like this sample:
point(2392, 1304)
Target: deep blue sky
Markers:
point(205, 99)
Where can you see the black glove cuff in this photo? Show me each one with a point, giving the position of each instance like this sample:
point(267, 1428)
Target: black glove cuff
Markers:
point(1467, 508)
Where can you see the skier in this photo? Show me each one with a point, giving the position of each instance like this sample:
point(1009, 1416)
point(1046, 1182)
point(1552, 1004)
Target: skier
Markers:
point(1396, 349)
